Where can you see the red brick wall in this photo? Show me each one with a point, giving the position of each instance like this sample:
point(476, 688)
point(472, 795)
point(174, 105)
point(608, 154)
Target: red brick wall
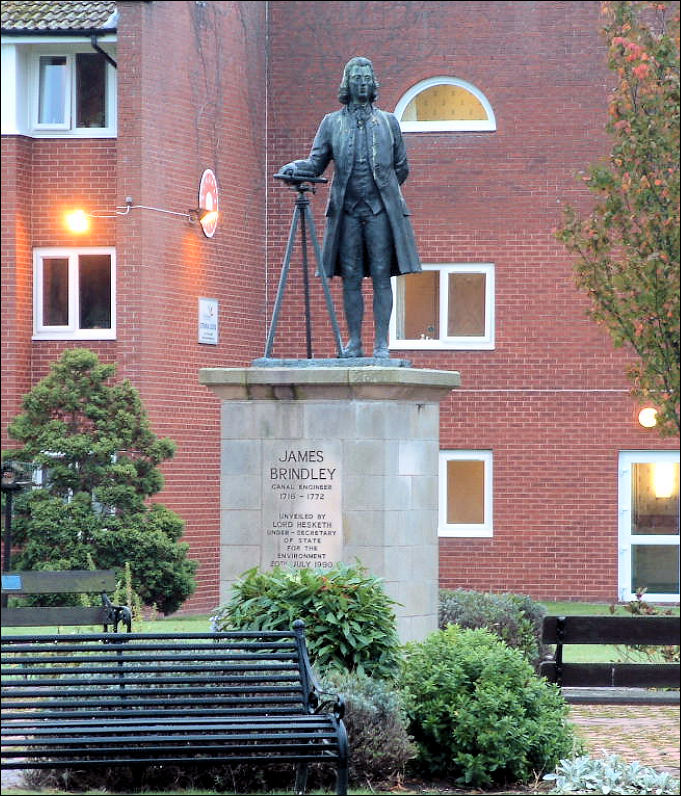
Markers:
point(200, 85)
point(16, 317)
point(551, 400)
point(189, 73)
point(191, 96)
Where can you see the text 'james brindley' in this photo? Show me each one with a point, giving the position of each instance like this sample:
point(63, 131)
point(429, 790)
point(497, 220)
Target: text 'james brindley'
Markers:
point(308, 473)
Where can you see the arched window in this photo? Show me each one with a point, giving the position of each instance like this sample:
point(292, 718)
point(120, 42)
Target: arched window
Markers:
point(444, 104)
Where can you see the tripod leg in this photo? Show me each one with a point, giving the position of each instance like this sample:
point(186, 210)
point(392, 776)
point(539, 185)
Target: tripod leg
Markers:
point(282, 284)
point(325, 285)
point(306, 285)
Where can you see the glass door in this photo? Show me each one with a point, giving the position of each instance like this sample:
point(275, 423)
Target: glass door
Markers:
point(649, 525)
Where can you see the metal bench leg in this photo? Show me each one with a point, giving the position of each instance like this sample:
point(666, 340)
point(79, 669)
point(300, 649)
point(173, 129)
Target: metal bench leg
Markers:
point(343, 755)
point(342, 780)
point(301, 778)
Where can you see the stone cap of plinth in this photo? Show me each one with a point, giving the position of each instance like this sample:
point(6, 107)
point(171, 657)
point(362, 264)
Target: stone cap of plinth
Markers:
point(320, 383)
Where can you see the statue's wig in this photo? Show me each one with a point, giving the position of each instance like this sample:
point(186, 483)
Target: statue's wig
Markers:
point(344, 88)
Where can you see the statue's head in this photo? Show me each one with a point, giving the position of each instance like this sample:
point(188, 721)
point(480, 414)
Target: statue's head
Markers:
point(344, 88)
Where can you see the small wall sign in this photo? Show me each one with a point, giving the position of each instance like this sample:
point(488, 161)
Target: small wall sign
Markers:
point(208, 201)
point(208, 321)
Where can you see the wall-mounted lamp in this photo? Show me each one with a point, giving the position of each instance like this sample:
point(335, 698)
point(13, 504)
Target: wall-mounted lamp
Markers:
point(647, 417)
point(206, 214)
point(77, 221)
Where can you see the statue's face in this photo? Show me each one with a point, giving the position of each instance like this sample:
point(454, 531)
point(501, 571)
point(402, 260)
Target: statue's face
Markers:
point(360, 82)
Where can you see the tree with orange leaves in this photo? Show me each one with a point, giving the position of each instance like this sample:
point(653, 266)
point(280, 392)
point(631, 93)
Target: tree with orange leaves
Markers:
point(628, 247)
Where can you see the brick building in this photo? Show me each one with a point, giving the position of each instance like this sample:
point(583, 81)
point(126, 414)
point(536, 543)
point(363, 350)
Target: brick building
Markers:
point(548, 482)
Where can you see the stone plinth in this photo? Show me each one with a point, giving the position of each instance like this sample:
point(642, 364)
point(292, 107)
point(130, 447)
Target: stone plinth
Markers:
point(324, 464)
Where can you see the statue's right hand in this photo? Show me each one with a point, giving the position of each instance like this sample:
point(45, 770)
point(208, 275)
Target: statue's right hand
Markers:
point(298, 168)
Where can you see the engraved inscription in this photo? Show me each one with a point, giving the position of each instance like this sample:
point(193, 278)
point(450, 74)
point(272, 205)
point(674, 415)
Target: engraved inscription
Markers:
point(301, 504)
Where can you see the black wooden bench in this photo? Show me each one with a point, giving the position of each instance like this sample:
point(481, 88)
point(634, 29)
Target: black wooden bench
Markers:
point(149, 699)
point(623, 683)
point(82, 581)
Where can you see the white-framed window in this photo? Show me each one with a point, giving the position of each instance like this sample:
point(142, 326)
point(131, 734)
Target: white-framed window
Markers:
point(60, 88)
point(444, 306)
point(465, 493)
point(649, 525)
point(74, 294)
point(444, 104)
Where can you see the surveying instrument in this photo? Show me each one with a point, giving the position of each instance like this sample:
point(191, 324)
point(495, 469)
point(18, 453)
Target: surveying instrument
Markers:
point(302, 216)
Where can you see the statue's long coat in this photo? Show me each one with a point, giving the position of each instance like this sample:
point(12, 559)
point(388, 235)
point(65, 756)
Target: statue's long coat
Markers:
point(388, 157)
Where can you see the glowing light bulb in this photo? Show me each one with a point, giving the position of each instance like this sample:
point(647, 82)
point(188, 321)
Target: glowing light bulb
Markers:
point(648, 417)
point(77, 221)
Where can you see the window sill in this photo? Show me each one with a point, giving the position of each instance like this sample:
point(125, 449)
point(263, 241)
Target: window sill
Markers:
point(440, 345)
point(90, 334)
point(465, 533)
point(94, 132)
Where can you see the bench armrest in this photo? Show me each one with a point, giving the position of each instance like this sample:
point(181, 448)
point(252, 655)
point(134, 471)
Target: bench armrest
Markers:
point(327, 701)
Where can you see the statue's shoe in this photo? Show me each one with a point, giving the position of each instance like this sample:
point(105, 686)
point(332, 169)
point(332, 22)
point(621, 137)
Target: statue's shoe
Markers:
point(353, 350)
point(381, 352)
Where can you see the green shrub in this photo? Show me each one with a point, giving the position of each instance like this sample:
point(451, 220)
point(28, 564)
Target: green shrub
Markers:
point(609, 775)
point(349, 619)
point(380, 746)
point(514, 618)
point(478, 712)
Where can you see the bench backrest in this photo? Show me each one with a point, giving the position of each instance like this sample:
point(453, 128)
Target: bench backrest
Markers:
point(149, 674)
point(19, 584)
point(622, 630)
point(648, 630)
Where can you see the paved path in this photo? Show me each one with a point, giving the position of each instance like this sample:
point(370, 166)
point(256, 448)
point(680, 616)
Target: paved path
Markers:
point(646, 733)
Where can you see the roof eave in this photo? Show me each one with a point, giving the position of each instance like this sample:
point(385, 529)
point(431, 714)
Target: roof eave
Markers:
point(59, 32)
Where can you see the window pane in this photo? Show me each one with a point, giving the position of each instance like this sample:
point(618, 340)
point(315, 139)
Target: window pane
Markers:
point(444, 103)
point(90, 90)
point(94, 273)
point(466, 305)
point(55, 291)
point(420, 315)
point(655, 568)
point(655, 491)
point(52, 89)
point(465, 492)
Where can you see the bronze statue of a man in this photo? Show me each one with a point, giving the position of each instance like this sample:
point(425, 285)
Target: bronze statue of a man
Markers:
point(368, 231)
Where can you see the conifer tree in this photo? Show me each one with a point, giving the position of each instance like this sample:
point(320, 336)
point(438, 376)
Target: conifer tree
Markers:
point(91, 440)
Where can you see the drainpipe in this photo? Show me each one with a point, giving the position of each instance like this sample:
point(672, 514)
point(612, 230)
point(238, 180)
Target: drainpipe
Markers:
point(95, 46)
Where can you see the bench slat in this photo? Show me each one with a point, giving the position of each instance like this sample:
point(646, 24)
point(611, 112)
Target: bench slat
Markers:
point(649, 675)
point(42, 616)
point(59, 582)
point(631, 630)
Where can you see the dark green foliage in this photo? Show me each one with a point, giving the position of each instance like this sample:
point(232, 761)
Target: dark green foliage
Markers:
point(163, 575)
point(349, 619)
point(514, 618)
point(478, 712)
point(92, 439)
point(380, 746)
